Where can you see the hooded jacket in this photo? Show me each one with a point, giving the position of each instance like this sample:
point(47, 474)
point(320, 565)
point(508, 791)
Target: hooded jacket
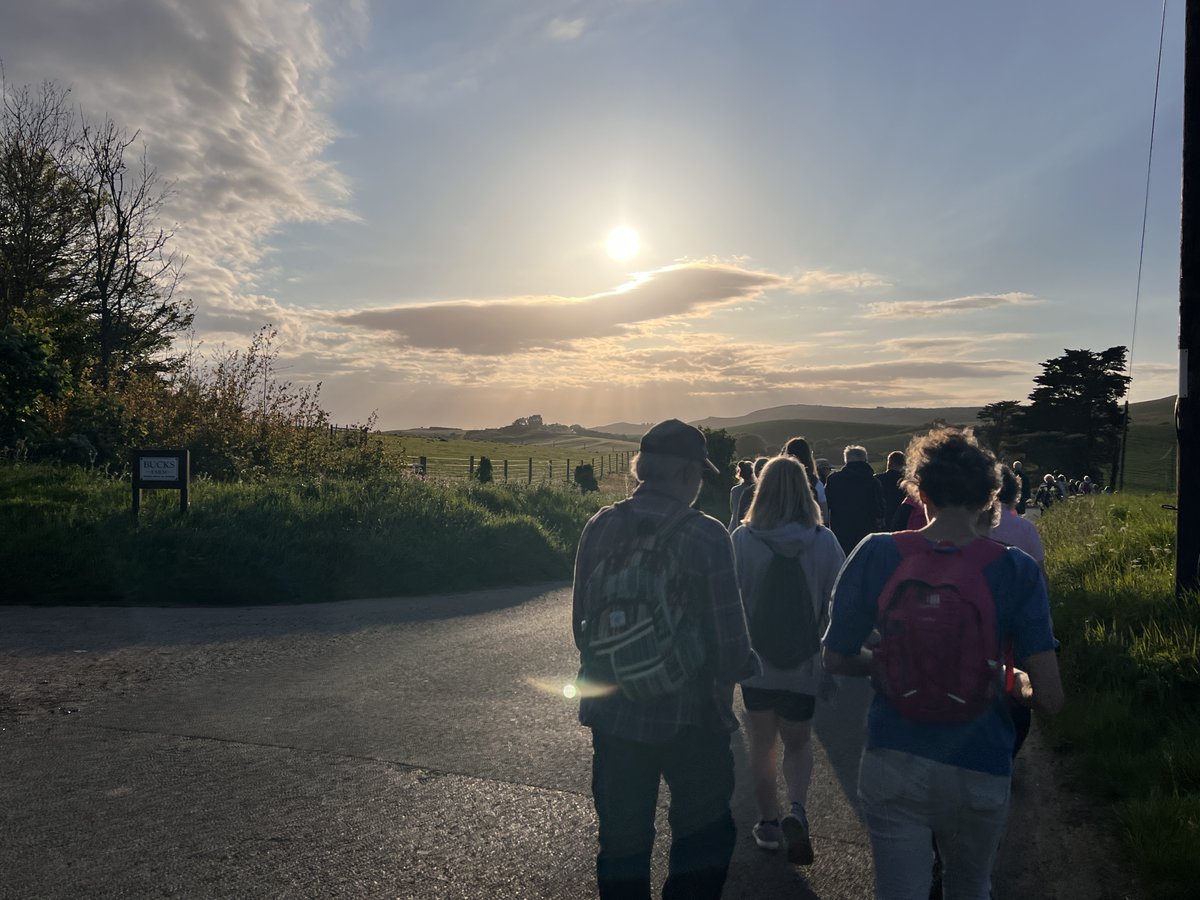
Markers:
point(855, 501)
point(820, 557)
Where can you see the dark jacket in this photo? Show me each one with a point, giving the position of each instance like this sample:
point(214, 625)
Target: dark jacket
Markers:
point(855, 501)
point(893, 495)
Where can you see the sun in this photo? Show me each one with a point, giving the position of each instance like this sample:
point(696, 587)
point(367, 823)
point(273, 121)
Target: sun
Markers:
point(622, 243)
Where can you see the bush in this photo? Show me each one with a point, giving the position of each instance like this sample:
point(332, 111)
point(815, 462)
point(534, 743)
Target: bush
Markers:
point(70, 538)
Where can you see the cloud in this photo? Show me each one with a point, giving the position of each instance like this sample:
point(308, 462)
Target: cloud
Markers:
point(231, 99)
point(928, 309)
point(558, 29)
point(820, 280)
point(510, 326)
point(950, 343)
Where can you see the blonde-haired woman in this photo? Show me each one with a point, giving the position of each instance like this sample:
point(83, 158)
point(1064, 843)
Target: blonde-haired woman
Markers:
point(784, 520)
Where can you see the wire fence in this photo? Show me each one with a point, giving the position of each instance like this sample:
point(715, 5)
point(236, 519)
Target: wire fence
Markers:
point(524, 470)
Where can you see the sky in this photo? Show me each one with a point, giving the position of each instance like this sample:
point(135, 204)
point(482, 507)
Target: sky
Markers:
point(853, 203)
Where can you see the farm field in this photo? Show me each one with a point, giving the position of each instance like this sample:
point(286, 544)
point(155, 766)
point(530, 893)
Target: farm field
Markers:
point(455, 453)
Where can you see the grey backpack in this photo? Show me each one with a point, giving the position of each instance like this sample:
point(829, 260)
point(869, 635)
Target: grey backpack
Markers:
point(639, 634)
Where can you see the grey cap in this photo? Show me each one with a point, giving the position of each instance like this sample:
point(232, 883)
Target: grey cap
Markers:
point(676, 438)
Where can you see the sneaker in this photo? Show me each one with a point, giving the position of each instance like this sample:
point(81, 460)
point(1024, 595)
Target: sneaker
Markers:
point(767, 834)
point(795, 829)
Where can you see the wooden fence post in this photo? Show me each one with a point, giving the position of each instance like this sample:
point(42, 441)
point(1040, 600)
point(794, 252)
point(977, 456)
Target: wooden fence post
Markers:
point(550, 470)
point(568, 471)
point(471, 467)
point(506, 471)
point(531, 470)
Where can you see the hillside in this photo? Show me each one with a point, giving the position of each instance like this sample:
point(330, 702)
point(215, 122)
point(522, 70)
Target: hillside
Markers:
point(1153, 412)
point(879, 415)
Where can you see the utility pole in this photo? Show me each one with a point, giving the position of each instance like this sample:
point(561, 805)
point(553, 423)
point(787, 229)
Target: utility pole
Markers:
point(1187, 405)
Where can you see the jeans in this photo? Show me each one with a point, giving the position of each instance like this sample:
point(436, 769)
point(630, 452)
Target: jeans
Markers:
point(908, 802)
point(698, 768)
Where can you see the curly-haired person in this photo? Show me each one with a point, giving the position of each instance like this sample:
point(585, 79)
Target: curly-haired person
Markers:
point(928, 778)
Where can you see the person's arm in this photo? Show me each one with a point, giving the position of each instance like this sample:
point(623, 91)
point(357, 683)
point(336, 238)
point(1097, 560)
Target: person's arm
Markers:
point(853, 612)
point(1038, 683)
point(1037, 680)
point(577, 587)
point(836, 664)
point(734, 660)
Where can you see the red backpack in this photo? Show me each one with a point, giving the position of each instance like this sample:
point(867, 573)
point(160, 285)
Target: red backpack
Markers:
point(938, 660)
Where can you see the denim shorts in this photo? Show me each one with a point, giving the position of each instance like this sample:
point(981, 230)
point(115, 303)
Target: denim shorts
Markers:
point(787, 705)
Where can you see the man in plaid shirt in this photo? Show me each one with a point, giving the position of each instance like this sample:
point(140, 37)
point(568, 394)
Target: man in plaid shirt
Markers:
point(681, 737)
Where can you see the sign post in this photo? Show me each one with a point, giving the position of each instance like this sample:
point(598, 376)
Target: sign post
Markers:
point(159, 470)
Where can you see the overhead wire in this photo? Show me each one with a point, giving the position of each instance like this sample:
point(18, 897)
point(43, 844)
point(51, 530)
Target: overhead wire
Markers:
point(1137, 294)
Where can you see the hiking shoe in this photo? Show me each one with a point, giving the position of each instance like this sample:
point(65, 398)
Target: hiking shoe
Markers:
point(795, 829)
point(767, 834)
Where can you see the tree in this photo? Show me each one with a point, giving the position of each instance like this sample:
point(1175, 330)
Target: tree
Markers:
point(26, 377)
point(714, 493)
point(750, 446)
point(999, 421)
point(40, 225)
point(130, 276)
point(1074, 406)
point(82, 253)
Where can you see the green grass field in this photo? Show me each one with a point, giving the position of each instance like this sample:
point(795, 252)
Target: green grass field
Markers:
point(1131, 664)
point(451, 456)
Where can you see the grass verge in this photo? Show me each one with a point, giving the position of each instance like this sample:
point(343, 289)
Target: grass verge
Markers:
point(70, 539)
point(1131, 662)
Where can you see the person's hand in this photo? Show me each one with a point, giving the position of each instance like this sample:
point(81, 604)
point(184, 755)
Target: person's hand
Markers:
point(1022, 689)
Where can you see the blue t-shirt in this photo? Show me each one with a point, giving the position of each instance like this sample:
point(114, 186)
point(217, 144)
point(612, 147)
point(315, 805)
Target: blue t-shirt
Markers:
point(1022, 616)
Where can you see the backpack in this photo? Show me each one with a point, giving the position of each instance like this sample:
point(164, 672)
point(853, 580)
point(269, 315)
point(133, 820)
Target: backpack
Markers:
point(938, 659)
point(639, 634)
point(783, 627)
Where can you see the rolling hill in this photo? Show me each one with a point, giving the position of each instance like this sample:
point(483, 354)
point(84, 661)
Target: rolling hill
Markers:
point(899, 416)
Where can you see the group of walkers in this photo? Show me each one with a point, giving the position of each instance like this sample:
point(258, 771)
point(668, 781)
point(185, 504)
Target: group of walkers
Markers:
point(950, 620)
point(1058, 487)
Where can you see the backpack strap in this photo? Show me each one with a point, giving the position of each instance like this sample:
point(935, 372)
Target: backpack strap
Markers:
point(664, 531)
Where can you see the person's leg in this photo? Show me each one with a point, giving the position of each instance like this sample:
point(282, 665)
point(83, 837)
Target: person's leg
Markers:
point(969, 824)
point(893, 788)
point(762, 728)
point(795, 714)
point(625, 778)
point(699, 772)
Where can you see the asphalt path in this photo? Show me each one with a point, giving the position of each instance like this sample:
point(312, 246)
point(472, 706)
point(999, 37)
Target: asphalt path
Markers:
point(386, 748)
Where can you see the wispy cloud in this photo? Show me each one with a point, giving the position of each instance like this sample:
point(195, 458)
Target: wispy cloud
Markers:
point(559, 29)
point(501, 327)
point(821, 280)
point(231, 99)
point(946, 344)
point(928, 309)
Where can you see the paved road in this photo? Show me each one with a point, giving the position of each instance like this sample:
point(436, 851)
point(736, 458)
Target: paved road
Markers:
point(404, 748)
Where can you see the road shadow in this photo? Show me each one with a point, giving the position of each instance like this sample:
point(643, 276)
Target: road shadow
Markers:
point(842, 730)
point(41, 630)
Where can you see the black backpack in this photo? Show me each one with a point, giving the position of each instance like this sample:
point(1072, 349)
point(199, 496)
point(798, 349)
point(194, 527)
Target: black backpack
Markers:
point(783, 628)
